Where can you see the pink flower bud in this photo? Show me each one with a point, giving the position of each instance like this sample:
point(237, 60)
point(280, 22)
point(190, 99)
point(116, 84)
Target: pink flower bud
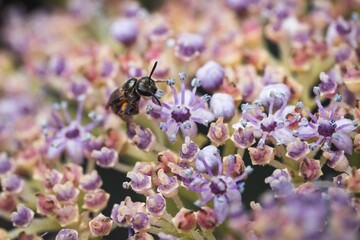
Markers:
point(156, 204)
point(100, 226)
point(206, 218)
point(67, 215)
point(243, 138)
point(90, 181)
point(46, 204)
point(185, 220)
point(67, 234)
point(22, 217)
point(337, 160)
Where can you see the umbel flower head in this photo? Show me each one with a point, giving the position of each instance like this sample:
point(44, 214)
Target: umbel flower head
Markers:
point(184, 112)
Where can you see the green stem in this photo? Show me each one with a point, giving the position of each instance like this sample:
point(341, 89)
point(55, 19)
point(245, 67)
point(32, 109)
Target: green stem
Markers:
point(37, 226)
point(123, 167)
point(177, 201)
point(208, 235)
point(277, 164)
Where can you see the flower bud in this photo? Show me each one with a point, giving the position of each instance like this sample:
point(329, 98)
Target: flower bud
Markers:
point(22, 217)
point(67, 215)
point(276, 93)
point(96, 201)
point(206, 218)
point(297, 150)
point(72, 172)
point(8, 202)
point(46, 204)
point(66, 193)
point(235, 163)
point(189, 150)
point(189, 46)
point(185, 220)
point(51, 178)
point(218, 132)
point(140, 183)
point(261, 156)
point(12, 183)
point(100, 226)
point(208, 159)
point(125, 31)
point(140, 221)
point(280, 182)
point(143, 138)
point(156, 204)
point(211, 75)
point(6, 164)
point(90, 181)
point(310, 169)
point(67, 234)
point(223, 105)
point(168, 185)
point(106, 157)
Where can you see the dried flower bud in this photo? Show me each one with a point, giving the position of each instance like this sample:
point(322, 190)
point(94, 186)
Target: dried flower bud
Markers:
point(96, 201)
point(67, 234)
point(90, 181)
point(243, 138)
point(336, 160)
point(223, 105)
point(310, 169)
point(185, 220)
point(46, 204)
point(67, 215)
point(218, 132)
point(22, 217)
point(261, 156)
point(106, 157)
point(206, 218)
point(211, 75)
point(100, 226)
point(156, 204)
point(236, 163)
point(168, 186)
point(353, 181)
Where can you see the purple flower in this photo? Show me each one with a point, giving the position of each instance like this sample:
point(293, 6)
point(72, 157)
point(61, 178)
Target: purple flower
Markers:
point(297, 150)
point(218, 132)
point(211, 75)
point(125, 31)
point(96, 200)
point(140, 221)
point(69, 136)
point(168, 185)
point(67, 234)
point(328, 85)
point(186, 110)
point(265, 125)
point(222, 105)
point(22, 217)
point(222, 188)
point(106, 157)
point(189, 46)
point(66, 193)
point(328, 128)
point(208, 157)
point(140, 183)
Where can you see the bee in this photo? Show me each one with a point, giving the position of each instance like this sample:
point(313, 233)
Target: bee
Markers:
point(124, 101)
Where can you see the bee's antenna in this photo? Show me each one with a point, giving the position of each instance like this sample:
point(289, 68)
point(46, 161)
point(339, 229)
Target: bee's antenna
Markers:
point(153, 69)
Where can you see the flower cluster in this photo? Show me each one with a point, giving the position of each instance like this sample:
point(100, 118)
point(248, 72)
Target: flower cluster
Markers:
point(242, 89)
